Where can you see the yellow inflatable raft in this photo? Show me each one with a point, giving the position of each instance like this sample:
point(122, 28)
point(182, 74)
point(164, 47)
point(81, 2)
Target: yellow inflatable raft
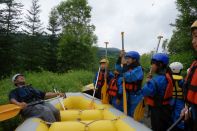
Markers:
point(79, 117)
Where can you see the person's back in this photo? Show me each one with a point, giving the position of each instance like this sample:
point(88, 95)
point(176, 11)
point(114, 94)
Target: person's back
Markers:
point(177, 101)
point(158, 92)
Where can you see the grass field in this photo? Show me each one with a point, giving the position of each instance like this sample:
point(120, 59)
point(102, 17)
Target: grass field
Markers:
point(72, 81)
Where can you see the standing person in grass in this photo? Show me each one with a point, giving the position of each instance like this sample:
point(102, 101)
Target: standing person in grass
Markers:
point(133, 75)
point(158, 92)
point(190, 87)
point(24, 94)
point(101, 78)
point(178, 98)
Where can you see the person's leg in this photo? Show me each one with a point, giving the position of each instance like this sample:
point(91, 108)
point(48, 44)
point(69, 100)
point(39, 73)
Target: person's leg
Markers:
point(119, 105)
point(39, 111)
point(154, 118)
point(134, 101)
point(55, 111)
point(160, 118)
point(177, 111)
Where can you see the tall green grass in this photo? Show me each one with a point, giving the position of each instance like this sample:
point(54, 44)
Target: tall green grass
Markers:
point(72, 81)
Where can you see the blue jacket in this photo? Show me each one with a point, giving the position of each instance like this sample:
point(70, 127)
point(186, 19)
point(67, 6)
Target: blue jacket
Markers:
point(150, 88)
point(133, 75)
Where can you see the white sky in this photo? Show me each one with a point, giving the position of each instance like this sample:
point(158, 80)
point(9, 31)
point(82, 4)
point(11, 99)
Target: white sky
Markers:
point(141, 20)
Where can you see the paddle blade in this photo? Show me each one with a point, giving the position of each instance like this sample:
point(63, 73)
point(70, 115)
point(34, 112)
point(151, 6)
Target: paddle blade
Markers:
point(104, 95)
point(124, 98)
point(88, 87)
point(139, 111)
point(8, 111)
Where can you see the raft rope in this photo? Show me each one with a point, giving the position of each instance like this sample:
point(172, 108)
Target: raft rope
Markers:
point(87, 124)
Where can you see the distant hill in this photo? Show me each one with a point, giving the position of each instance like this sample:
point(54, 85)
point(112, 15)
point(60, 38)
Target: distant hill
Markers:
point(110, 51)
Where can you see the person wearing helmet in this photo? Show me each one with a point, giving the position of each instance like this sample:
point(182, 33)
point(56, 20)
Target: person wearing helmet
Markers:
point(177, 101)
point(24, 94)
point(158, 92)
point(190, 87)
point(133, 74)
point(101, 78)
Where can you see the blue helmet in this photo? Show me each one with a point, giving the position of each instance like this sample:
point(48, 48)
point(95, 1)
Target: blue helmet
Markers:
point(161, 57)
point(133, 54)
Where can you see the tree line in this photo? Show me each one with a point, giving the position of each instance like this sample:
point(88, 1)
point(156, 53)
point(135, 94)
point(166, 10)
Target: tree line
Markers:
point(25, 45)
point(70, 42)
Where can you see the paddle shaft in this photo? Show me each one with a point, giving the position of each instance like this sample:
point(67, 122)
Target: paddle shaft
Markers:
point(159, 40)
point(96, 83)
point(104, 97)
point(123, 80)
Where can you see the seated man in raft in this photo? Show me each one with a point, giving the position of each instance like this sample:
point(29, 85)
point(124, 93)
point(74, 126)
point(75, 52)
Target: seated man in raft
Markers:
point(24, 94)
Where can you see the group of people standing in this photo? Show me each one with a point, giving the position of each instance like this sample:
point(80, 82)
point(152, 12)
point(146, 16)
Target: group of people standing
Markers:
point(168, 95)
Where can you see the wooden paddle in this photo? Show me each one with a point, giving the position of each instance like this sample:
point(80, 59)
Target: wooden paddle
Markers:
point(104, 94)
point(92, 106)
point(123, 81)
point(11, 110)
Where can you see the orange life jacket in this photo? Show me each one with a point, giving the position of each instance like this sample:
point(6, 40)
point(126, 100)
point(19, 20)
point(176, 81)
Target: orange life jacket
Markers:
point(167, 96)
point(191, 84)
point(101, 79)
point(133, 86)
point(113, 87)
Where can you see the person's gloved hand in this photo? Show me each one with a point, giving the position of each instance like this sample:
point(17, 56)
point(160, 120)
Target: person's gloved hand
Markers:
point(22, 105)
point(148, 77)
point(61, 94)
point(122, 53)
point(185, 113)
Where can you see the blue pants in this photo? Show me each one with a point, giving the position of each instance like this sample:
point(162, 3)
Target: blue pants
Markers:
point(113, 102)
point(178, 105)
point(133, 100)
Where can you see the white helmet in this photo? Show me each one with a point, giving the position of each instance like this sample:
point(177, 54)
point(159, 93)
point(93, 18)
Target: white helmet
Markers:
point(15, 76)
point(176, 67)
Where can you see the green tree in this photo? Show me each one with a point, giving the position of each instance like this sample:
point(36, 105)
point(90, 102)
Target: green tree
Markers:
point(180, 47)
point(10, 13)
point(54, 23)
point(10, 16)
point(54, 28)
point(34, 45)
point(145, 61)
point(77, 40)
point(33, 24)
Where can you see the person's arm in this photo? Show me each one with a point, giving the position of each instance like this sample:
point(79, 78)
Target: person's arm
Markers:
point(53, 94)
point(134, 75)
point(21, 104)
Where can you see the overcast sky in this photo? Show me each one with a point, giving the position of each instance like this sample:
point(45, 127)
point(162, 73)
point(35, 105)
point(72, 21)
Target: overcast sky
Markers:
point(141, 20)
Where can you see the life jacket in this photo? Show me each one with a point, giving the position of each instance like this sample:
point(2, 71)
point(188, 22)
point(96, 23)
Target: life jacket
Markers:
point(177, 90)
point(101, 79)
point(113, 87)
point(191, 84)
point(133, 86)
point(158, 100)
